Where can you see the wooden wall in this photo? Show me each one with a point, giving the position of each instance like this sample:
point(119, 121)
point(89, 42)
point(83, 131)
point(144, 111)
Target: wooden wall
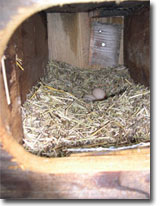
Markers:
point(137, 45)
point(35, 51)
point(68, 37)
point(30, 44)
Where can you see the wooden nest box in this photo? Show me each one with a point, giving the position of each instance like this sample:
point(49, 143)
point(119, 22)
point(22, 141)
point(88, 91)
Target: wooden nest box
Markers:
point(33, 32)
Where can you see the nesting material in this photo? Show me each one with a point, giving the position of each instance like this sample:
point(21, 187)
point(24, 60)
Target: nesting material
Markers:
point(57, 120)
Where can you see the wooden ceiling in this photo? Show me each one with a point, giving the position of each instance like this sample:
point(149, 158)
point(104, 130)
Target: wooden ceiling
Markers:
point(104, 8)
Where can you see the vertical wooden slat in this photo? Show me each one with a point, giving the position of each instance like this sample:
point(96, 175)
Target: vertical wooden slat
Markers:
point(137, 45)
point(119, 20)
point(69, 37)
point(104, 44)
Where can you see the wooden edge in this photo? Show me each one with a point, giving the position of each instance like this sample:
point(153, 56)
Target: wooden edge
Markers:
point(128, 160)
point(16, 183)
point(124, 161)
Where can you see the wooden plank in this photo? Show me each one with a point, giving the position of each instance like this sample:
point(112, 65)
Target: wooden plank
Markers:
point(137, 45)
point(84, 39)
point(18, 183)
point(68, 37)
point(121, 55)
point(104, 44)
point(119, 20)
point(29, 43)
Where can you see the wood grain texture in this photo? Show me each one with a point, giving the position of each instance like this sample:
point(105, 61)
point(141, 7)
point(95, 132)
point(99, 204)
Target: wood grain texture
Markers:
point(104, 44)
point(68, 37)
point(18, 183)
point(29, 43)
point(23, 175)
point(112, 20)
point(137, 45)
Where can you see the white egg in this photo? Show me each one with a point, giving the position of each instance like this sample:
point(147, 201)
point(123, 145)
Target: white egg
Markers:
point(99, 93)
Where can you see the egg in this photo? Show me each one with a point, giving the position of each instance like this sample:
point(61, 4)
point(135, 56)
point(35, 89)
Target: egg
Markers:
point(99, 93)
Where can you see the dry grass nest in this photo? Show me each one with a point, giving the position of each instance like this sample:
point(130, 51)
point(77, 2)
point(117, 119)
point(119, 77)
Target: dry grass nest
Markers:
point(56, 119)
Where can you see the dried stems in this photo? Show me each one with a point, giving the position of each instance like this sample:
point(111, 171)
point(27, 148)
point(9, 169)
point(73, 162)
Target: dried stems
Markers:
point(57, 120)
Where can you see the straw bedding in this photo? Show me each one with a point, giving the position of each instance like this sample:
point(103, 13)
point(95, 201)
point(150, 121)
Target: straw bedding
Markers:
point(56, 119)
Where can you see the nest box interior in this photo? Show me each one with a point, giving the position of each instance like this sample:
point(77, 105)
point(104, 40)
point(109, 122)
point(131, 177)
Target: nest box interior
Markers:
point(68, 34)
